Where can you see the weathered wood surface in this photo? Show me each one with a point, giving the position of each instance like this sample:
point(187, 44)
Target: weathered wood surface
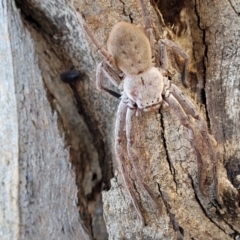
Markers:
point(208, 32)
point(39, 194)
point(9, 213)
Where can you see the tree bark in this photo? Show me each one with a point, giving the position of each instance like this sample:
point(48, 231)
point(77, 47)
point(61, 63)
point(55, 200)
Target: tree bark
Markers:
point(58, 142)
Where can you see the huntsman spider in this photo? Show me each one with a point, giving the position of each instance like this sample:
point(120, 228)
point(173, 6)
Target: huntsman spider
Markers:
point(144, 87)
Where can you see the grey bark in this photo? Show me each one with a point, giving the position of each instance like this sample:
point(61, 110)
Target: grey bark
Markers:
point(36, 174)
point(58, 154)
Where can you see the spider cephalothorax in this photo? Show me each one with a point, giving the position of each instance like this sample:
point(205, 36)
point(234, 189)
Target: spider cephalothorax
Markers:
point(128, 63)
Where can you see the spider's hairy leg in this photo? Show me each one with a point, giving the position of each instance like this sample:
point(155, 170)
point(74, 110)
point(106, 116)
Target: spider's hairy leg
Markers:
point(173, 103)
point(104, 68)
point(98, 45)
point(204, 131)
point(190, 109)
point(138, 170)
point(168, 43)
point(163, 58)
point(122, 157)
point(148, 23)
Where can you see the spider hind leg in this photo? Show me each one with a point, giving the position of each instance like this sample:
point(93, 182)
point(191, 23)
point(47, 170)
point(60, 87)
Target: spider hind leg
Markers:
point(108, 58)
point(147, 23)
point(163, 44)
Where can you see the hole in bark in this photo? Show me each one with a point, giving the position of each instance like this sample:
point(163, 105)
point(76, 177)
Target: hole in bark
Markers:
point(181, 230)
point(94, 176)
point(172, 17)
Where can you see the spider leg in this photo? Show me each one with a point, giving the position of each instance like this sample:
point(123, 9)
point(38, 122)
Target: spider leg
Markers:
point(163, 56)
point(122, 157)
point(108, 66)
point(113, 76)
point(99, 46)
point(147, 22)
point(131, 113)
point(173, 102)
point(104, 68)
point(190, 109)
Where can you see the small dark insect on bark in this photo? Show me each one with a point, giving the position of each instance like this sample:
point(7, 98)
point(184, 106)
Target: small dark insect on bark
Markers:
point(74, 75)
point(70, 76)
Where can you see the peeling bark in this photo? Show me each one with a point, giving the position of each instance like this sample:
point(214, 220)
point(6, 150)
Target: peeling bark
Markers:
point(51, 41)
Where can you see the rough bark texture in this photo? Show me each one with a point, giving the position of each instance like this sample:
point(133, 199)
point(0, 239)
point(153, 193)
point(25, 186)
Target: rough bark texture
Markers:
point(36, 174)
point(9, 217)
point(58, 185)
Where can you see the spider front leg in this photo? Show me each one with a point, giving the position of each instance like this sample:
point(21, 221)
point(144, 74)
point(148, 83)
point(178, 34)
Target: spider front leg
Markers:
point(190, 109)
point(122, 156)
point(164, 58)
point(172, 101)
point(132, 153)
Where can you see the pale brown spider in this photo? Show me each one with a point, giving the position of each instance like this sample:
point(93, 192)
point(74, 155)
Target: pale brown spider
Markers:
point(128, 65)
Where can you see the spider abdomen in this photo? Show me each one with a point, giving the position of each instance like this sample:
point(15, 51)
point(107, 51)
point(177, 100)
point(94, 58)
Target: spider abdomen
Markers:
point(145, 89)
point(130, 48)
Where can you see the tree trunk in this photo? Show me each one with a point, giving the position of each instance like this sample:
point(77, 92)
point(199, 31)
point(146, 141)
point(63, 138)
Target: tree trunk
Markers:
point(58, 166)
